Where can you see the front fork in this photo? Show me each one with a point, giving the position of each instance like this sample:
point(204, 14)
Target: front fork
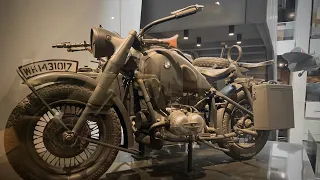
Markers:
point(102, 93)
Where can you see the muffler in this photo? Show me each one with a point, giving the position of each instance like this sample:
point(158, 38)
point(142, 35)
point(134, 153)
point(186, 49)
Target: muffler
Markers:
point(212, 137)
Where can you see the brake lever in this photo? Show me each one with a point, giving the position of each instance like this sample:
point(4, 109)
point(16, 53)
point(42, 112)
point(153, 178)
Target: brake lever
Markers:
point(75, 50)
point(95, 62)
point(198, 7)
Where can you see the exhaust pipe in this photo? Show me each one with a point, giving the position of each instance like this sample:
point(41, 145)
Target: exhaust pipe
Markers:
point(212, 137)
point(248, 131)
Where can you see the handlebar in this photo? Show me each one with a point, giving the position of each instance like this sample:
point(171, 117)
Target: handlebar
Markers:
point(255, 65)
point(174, 15)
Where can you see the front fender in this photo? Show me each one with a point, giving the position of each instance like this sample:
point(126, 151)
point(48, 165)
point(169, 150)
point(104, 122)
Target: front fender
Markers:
point(76, 78)
point(58, 77)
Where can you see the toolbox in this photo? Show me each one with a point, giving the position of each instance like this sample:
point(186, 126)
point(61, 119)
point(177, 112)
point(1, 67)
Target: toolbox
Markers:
point(272, 106)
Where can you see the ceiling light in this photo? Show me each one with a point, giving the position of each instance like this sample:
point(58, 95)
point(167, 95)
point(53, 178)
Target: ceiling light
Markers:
point(198, 41)
point(291, 15)
point(217, 3)
point(186, 34)
point(112, 17)
point(231, 30)
point(239, 38)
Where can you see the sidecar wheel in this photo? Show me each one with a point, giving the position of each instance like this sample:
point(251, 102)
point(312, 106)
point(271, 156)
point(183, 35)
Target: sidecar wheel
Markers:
point(34, 144)
point(239, 150)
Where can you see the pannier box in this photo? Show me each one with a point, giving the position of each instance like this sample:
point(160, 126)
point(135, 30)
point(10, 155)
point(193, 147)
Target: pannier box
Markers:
point(272, 106)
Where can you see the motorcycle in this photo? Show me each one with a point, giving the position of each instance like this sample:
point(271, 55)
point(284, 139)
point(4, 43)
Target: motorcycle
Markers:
point(70, 126)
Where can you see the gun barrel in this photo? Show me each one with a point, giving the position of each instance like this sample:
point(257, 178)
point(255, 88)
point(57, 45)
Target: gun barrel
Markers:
point(70, 45)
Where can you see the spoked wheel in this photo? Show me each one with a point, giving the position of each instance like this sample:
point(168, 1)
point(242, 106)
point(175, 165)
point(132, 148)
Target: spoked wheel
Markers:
point(239, 119)
point(39, 148)
point(243, 146)
point(55, 152)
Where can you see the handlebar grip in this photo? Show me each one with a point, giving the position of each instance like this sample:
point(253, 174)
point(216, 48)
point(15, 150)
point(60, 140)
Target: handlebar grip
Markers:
point(186, 12)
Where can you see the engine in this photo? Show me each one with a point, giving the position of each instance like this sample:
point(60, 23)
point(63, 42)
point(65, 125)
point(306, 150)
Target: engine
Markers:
point(173, 125)
point(185, 123)
point(179, 122)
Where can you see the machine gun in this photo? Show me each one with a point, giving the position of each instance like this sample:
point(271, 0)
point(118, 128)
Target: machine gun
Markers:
point(75, 47)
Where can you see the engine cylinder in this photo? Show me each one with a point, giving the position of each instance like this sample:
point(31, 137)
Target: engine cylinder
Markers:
point(183, 124)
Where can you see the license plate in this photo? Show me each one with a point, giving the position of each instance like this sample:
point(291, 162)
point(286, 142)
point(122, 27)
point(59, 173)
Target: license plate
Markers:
point(41, 67)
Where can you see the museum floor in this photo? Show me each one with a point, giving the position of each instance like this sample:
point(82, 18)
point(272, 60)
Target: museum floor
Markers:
point(276, 161)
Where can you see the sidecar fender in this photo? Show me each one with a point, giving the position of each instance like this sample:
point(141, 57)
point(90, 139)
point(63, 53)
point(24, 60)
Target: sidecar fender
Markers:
point(76, 78)
point(229, 90)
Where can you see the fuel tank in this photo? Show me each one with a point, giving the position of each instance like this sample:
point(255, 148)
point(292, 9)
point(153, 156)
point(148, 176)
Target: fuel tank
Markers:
point(173, 70)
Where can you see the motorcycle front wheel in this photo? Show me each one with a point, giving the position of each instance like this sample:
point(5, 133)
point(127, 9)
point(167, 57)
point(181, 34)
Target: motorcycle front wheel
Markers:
point(243, 146)
point(35, 146)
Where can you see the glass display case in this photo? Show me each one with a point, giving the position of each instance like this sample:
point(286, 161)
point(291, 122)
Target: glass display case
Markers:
point(191, 94)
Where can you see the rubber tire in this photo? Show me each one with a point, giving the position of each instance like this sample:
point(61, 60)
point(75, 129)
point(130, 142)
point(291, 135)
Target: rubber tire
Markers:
point(237, 152)
point(23, 163)
point(211, 61)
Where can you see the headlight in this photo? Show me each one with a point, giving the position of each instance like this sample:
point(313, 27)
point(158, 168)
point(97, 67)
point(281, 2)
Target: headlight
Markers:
point(104, 42)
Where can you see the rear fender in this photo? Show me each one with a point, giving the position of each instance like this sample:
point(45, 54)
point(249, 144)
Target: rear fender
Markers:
point(228, 91)
point(79, 79)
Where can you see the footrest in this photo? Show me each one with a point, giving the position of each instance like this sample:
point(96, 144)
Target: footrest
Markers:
point(140, 158)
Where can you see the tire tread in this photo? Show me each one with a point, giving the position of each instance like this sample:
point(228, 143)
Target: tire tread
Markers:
point(27, 106)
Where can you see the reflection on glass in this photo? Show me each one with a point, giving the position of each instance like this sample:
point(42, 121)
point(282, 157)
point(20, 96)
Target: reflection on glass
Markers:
point(285, 31)
point(285, 161)
point(315, 27)
point(313, 86)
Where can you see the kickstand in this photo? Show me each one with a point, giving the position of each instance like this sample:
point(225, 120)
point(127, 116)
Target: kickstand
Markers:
point(189, 169)
point(142, 149)
point(192, 173)
point(141, 156)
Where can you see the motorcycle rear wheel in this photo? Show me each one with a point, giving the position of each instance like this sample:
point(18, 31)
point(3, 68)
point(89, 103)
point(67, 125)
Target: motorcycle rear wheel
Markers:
point(239, 151)
point(33, 142)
